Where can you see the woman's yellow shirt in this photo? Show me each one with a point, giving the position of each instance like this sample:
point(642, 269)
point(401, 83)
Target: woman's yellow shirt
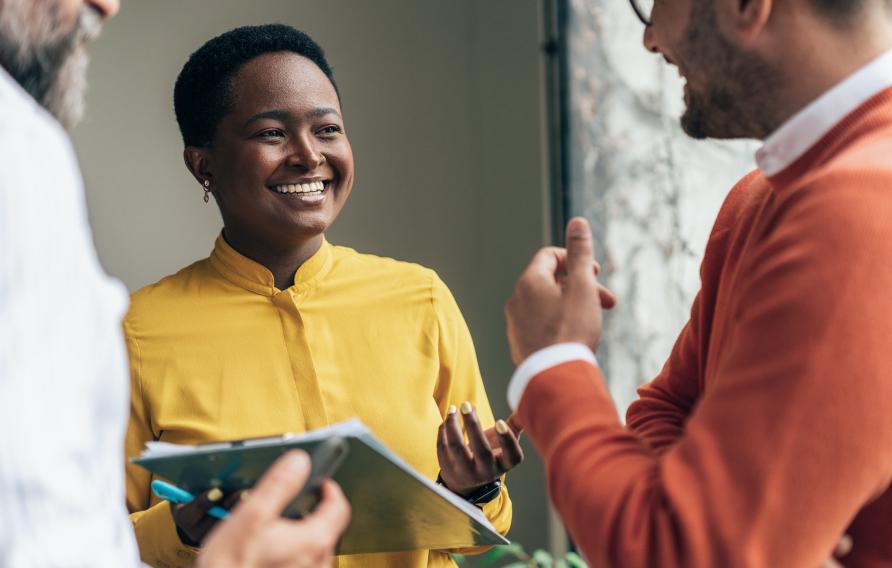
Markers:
point(217, 352)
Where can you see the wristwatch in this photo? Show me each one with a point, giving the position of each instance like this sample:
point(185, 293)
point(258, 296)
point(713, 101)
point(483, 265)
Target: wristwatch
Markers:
point(482, 495)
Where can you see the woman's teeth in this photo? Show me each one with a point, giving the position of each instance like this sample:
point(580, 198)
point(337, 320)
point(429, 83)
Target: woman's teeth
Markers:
point(312, 187)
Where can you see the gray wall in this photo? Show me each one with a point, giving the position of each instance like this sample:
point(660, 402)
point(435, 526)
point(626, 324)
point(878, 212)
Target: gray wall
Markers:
point(443, 106)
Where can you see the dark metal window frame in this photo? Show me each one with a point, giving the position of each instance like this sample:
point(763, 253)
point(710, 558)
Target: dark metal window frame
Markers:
point(555, 50)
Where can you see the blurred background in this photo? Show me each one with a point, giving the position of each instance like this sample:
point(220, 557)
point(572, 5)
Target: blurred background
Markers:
point(478, 127)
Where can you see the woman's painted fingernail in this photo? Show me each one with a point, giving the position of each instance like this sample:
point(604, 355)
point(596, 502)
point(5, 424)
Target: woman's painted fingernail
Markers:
point(452, 409)
point(215, 495)
point(501, 427)
point(466, 407)
point(244, 495)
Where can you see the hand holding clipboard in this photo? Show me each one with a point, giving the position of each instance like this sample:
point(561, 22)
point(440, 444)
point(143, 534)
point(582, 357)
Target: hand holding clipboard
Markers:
point(196, 516)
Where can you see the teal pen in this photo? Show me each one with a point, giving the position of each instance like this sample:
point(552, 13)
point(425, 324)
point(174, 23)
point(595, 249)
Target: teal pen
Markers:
point(179, 496)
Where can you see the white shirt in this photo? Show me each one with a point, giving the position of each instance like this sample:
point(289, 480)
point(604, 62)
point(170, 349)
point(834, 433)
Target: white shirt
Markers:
point(63, 367)
point(806, 128)
point(783, 147)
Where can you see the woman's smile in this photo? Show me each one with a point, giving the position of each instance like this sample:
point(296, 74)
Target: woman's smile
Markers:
point(309, 192)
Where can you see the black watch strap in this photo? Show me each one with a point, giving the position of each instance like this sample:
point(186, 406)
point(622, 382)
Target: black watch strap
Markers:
point(482, 495)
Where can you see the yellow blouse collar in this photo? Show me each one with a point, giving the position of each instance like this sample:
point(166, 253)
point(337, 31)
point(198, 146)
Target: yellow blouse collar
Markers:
point(253, 276)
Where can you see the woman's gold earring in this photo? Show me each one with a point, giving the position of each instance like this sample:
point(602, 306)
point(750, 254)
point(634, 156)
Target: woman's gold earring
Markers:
point(207, 191)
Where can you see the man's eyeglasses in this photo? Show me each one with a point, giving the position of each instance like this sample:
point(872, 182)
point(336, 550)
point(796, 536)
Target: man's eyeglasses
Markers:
point(643, 9)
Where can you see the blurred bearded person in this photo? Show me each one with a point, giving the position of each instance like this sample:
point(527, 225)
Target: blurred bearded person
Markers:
point(44, 50)
point(63, 368)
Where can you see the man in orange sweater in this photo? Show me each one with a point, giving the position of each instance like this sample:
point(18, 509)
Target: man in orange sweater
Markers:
point(768, 432)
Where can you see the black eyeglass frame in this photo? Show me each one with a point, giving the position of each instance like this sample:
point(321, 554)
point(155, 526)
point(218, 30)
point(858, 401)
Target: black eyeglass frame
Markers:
point(640, 13)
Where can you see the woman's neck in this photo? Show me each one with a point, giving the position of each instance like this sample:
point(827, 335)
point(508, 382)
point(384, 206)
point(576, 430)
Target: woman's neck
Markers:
point(282, 262)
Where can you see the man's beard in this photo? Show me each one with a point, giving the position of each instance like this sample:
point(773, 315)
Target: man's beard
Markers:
point(49, 64)
point(740, 90)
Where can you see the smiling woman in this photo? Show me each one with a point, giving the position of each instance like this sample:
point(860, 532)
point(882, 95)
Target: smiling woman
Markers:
point(263, 129)
point(280, 331)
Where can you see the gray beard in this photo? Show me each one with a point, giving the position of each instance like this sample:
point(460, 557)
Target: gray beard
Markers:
point(51, 66)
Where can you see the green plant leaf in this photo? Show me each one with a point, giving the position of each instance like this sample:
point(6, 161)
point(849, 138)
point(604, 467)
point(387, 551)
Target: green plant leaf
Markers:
point(513, 550)
point(543, 559)
point(514, 547)
point(575, 561)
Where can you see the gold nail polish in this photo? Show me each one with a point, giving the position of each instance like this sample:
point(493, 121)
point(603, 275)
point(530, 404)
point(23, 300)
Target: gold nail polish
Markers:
point(501, 427)
point(452, 409)
point(215, 495)
point(466, 407)
point(244, 495)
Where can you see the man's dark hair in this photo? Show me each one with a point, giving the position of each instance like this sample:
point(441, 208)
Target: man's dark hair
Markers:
point(202, 97)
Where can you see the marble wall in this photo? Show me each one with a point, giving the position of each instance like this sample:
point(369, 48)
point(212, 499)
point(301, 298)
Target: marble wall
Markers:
point(650, 192)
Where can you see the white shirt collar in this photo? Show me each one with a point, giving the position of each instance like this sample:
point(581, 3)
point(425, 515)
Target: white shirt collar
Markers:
point(16, 101)
point(809, 125)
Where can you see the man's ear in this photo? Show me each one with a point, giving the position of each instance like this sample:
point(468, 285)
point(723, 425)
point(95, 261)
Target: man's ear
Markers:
point(744, 20)
point(197, 162)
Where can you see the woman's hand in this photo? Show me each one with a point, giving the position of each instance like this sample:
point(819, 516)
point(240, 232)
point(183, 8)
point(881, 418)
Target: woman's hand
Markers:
point(192, 519)
point(464, 467)
point(492, 435)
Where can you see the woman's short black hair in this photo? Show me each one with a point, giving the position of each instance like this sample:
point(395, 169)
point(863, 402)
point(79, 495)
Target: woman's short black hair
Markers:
point(201, 96)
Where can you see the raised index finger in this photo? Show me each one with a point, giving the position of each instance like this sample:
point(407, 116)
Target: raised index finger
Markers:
point(580, 248)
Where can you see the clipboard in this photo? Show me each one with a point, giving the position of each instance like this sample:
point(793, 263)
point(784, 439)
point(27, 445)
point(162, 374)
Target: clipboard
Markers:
point(395, 508)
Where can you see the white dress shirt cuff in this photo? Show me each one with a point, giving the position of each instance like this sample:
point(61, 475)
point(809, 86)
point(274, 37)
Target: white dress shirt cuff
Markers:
point(541, 360)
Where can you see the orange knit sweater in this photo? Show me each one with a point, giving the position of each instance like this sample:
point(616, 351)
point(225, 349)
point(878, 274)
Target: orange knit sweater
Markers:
point(768, 433)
